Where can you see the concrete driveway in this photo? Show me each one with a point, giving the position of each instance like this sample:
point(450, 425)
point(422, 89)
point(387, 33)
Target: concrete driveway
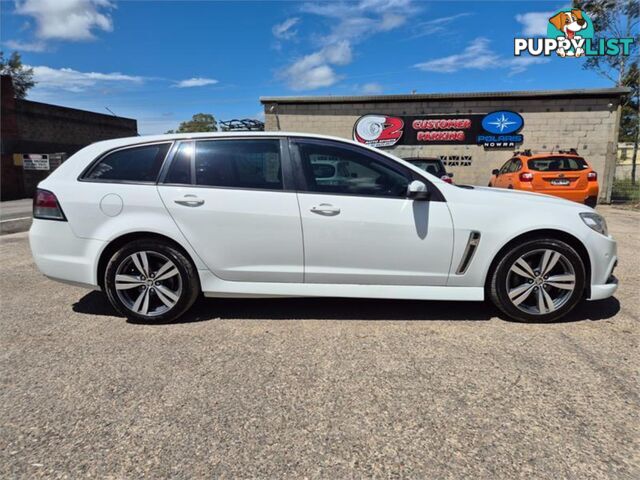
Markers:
point(15, 215)
point(316, 388)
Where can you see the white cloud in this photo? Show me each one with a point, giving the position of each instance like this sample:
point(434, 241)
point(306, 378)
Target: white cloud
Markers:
point(372, 89)
point(478, 56)
point(195, 82)
point(314, 70)
point(48, 78)
point(67, 19)
point(391, 21)
point(357, 21)
point(283, 31)
point(26, 46)
point(351, 23)
point(534, 23)
point(436, 25)
point(520, 64)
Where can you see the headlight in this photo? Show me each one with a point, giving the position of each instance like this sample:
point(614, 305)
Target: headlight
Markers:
point(595, 222)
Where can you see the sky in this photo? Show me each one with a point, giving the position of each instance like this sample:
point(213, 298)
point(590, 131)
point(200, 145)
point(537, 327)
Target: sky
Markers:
point(160, 62)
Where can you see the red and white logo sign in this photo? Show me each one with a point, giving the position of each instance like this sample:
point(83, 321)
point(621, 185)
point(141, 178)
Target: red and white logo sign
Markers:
point(378, 130)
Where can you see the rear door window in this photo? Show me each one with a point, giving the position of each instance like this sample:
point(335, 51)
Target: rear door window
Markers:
point(506, 167)
point(136, 164)
point(515, 165)
point(239, 164)
point(557, 164)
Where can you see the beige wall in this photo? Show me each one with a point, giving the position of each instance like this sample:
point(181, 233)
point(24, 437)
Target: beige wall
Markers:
point(588, 124)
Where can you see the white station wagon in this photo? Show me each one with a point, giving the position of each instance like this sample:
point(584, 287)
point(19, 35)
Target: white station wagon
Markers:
point(154, 221)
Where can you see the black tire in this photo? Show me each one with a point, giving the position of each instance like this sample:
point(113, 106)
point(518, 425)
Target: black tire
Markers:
point(186, 278)
point(499, 290)
point(591, 202)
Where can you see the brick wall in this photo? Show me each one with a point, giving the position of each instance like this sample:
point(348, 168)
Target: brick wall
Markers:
point(590, 124)
point(33, 127)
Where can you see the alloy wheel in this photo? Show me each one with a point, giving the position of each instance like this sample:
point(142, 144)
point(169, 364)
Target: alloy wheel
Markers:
point(148, 283)
point(541, 281)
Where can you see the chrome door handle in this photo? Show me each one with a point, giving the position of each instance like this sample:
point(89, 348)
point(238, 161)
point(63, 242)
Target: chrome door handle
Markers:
point(326, 209)
point(190, 201)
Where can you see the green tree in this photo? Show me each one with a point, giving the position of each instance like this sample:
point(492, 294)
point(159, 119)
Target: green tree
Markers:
point(618, 19)
point(21, 76)
point(200, 122)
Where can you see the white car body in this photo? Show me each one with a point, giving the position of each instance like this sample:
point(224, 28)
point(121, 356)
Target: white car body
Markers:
point(374, 247)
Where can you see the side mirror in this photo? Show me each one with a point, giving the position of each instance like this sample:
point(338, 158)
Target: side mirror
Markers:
point(495, 171)
point(417, 190)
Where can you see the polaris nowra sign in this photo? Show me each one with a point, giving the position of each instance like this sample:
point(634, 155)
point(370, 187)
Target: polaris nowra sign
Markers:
point(502, 128)
point(492, 130)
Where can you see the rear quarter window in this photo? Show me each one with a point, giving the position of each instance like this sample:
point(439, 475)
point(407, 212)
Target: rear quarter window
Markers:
point(557, 164)
point(135, 164)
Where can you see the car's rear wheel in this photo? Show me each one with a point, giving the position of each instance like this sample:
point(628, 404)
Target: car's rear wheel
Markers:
point(538, 281)
point(151, 280)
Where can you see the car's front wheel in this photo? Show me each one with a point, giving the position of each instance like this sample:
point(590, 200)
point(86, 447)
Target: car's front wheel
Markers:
point(151, 280)
point(539, 280)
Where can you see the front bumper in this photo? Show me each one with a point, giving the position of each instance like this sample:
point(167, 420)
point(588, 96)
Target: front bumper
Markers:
point(603, 255)
point(62, 256)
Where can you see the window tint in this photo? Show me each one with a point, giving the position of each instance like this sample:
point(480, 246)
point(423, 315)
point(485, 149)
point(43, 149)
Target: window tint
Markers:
point(505, 168)
point(323, 169)
point(180, 169)
point(138, 164)
point(515, 166)
point(355, 172)
point(557, 164)
point(434, 167)
point(239, 163)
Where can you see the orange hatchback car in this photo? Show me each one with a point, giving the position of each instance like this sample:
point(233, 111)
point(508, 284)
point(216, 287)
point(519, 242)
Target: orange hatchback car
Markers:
point(564, 174)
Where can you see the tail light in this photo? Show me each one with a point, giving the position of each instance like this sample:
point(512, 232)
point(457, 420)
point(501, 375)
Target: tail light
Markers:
point(526, 177)
point(46, 206)
point(592, 176)
point(446, 178)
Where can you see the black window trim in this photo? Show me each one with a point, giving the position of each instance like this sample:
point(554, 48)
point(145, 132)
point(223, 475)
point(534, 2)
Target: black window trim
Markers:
point(285, 164)
point(83, 175)
point(301, 181)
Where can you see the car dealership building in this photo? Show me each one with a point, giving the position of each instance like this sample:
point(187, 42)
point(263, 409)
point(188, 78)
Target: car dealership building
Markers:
point(472, 133)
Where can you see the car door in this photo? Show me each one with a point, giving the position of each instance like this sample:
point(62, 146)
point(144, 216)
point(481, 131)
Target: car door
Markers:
point(232, 200)
point(362, 228)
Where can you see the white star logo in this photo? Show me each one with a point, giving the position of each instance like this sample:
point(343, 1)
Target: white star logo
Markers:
point(502, 122)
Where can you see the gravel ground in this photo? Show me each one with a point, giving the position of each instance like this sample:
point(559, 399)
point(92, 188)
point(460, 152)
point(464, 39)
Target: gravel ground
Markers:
point(316, 388)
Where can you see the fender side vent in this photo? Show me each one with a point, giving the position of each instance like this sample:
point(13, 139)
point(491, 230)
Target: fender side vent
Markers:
point(469, 251)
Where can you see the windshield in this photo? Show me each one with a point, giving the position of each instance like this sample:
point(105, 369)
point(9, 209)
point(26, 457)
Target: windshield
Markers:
point(557, 164)
point(434, 167)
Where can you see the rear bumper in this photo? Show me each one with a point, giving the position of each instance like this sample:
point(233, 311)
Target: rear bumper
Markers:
point(579, 196)
point(62, 256)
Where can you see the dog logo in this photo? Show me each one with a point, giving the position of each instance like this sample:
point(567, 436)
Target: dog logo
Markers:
point(572, 25)
point(378, 130)
point(570, 34)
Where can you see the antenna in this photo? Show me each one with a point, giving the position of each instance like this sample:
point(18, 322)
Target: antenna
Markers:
point(111, 112)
